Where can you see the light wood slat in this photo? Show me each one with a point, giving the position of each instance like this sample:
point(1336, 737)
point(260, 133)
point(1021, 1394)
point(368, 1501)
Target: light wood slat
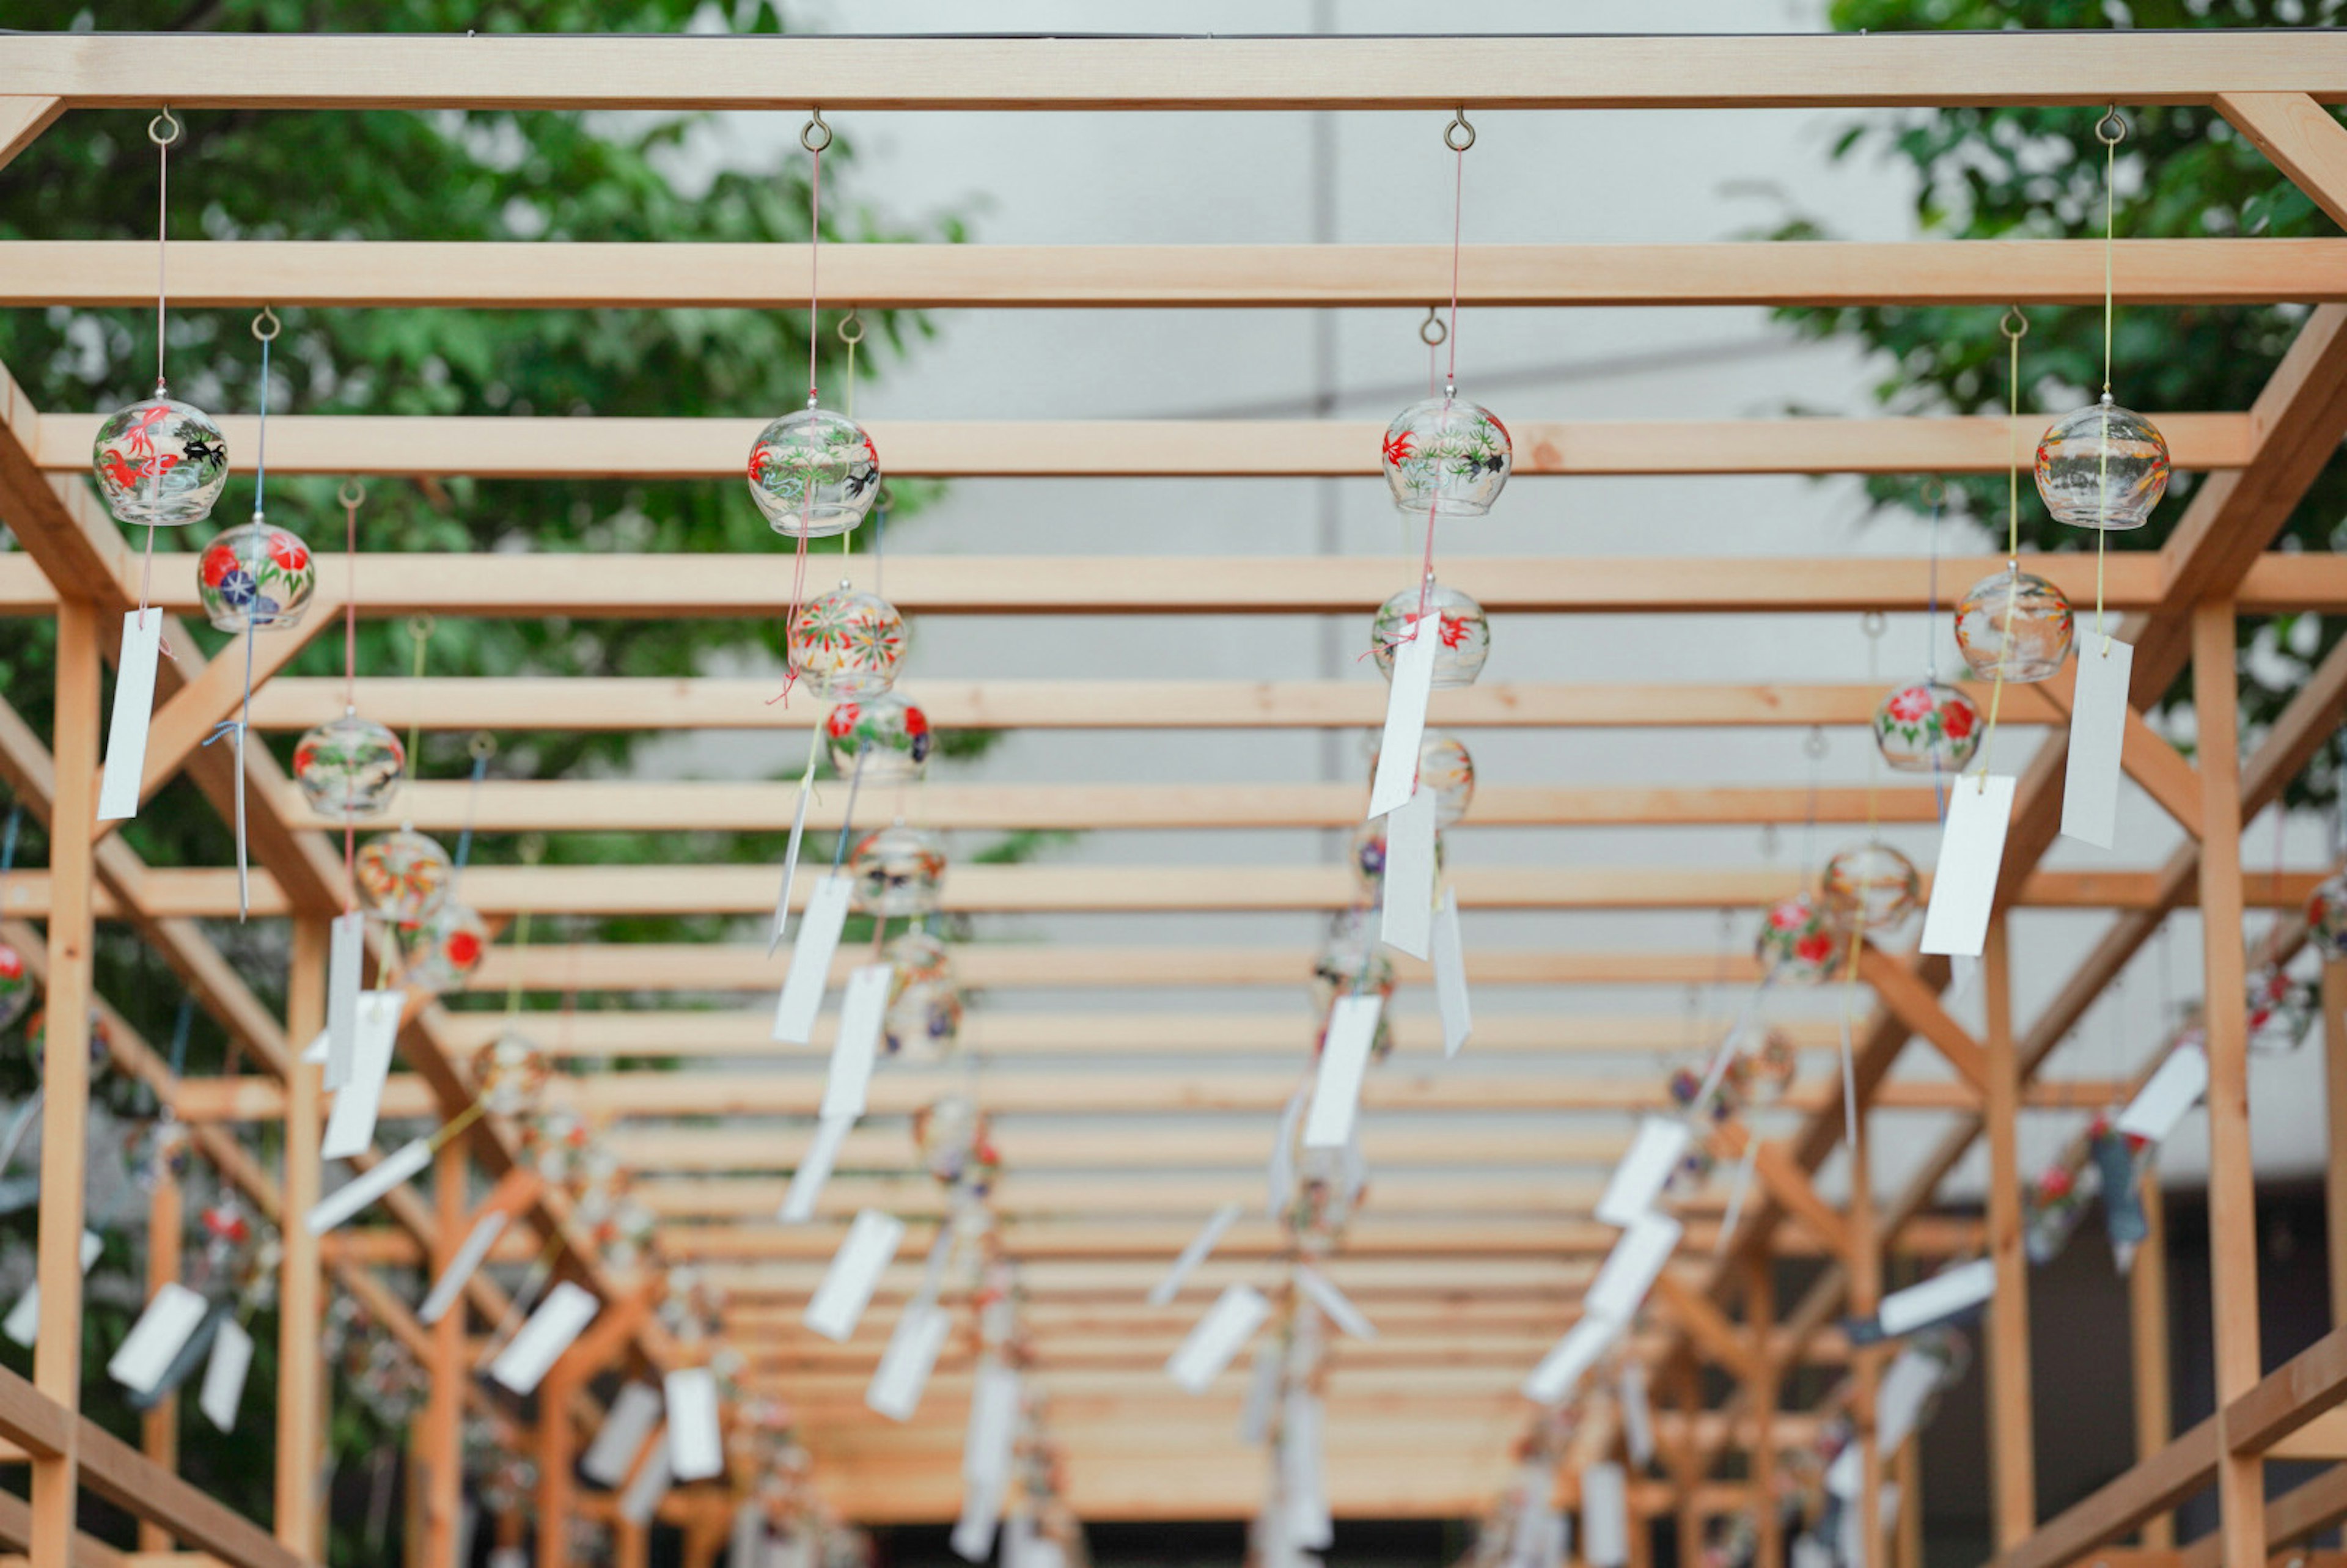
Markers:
point(614, 703)
point(2301, 138)
point(524, 448)
point(21, 120)
point(490, 71)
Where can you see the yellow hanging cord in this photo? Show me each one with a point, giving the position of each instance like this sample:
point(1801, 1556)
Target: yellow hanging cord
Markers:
point(2014, 333)
point(2110, 130)
point(464, 1118)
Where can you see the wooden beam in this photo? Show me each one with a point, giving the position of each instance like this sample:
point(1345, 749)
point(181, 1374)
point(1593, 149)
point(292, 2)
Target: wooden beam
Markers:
point(2161, 770)
point(21, 120)
point(2334, 1169)
point(1917, 1006)
point(2301, 139)
point(158, 1428)
point(521, 447)
point(2148, 1347)
point(2011, 1411)
point(846, 74)
point(1705, 1325)
point(119, 1474)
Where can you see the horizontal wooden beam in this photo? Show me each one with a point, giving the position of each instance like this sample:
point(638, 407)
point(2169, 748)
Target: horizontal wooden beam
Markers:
point(846, 74)
point(520, 447)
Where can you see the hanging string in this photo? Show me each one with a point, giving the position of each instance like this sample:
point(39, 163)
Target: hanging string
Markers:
point(350, 494)
point(815, 136)
point(1452, 138)
point(483, 745)
point(2110, 130)
point(847, 818)
point(9, 848)
point(162, 130)
point(265, 328)
point(419, 630)
point(1433, 334)
point(2014, 326)
point(1936, 493)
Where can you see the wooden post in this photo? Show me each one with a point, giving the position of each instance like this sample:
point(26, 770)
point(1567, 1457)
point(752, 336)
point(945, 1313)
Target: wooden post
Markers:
point(704, 1538)
point(1761, 1397)
point(1866, 1365)
point(65, 1075)
point(301, 1382)
point(439, 1444)
point(634, 1541)
point(159, 1429)
point(557, 1493)
point(2147, 1324)
point(1907, 1535)
point(1685, 1472)
point(2014, 1478)
point(2334, 1170)
point(2232, 1181)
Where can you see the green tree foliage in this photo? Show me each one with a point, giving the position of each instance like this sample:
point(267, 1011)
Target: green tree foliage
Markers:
point(2037, 174)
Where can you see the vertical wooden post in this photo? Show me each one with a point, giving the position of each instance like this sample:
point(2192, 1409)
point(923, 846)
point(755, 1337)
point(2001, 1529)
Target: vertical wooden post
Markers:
point(634, 1541)
point(1866, 1364)
point(2148, 1321)
point(704, 1538)
point(2334, 1170)
point(2232, 1182)
point(2014, 1482)
point(1908, 1534)
point(301, 1382)
point(65, 1074)
point(439, 1444)
point(159, 1429)
point(556, 1455)
point(1760, 1397)
point(1686, 1473)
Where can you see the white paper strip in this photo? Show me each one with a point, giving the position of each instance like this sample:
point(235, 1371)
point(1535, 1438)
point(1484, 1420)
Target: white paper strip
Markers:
point(1945, 1294)
point(796, 1550)
point(1413, 683)
point(749, 1543)
point(1629, 1271)
point(1553, 1380)
point(651, 1483)
point(811, 955)
point(994, 1422)
point(1450, 999)
point(225, 1375)
point(696, 1449)
point(1972, 852)
point(2099, 715)
point(462, 1267)
point(134, 710)
point(791, 865)
point(1336, 1087)
point(814, 1169)
point(839, 1301)
point(350, 1127)
point(1201, 1248)
point(1262, 1390)
point(848, 1084)
point(1335, 1303)
point(903, 1374)
point(155, 1339)
point(1898, 1402)
point(1406, 922)
point(2166, 1095)
point(346, 953)
point(633, 1414)
point(24, 1320)
point(314, 1053)
point(981, 1508)
point(362, 1190)
point(1638, 1413)
point(1605, 1516)
point(1228, 1324)
point(1281, 1172)
point(1302, 1470)
point(1638, 1180)
point(559, 1321)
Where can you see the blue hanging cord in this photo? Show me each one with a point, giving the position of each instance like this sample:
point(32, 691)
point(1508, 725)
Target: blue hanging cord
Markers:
point(180, 1027)
point(464, 839)
point(1931, 640)
point(241, 726)
point(847, 818)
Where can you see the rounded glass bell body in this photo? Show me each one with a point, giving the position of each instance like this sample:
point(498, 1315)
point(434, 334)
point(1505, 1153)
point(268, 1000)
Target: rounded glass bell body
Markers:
point(2326, 915)
point(1686, 1084)
point(948, 1133)
point(1764, 1067)
point(15, 986)
point(1928, 727)
point(1353, 962)
point(1370, 857)
point(1463, 632)
point(403, 877)
point(847, 644)
point(2051, 1208)
point(899, 870)
point(813, 474)
point(1871, 884)
point(1447, 456)
point(2103, 466)
point(509, 1073)
point(164, 1147)
point(161, 463)
point(2281, 1011)
point(2039, 621)
point(349, 768)
point(889, 735)
point(1446, 767)
point(1799, 942)
point(923, 1019)
point(256, 576)
point(449, 944)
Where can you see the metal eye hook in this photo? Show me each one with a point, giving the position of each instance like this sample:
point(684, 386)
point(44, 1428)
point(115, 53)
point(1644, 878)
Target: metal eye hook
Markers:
point(851, 320)
point(1459, 122)
point(269, 317)
point(815, 136)
point(419, 626)
point(1934, 492)
point(2016, 322)
point(1874, 623)
point(164, 128)
point(531, 848)
point(482, 746)
point(352, 492)
point(1814, 747)
point(1432, 332)
point(2112, 128)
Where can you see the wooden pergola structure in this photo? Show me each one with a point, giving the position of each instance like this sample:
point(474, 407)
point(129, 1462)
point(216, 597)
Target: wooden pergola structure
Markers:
point(1470, 1273)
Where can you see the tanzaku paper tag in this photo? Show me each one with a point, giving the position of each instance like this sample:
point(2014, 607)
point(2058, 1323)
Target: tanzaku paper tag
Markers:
point(346, 953)
point(1945, 1294)
point(696, 1449)
point(1604, 1515)
point(360, 1191)
point(1228, 1324)
point(155, 1339)
point(1551, 1381)
point(1899, 1403)
point(1336, 1087)
point(848, 1084)
point(559, 1321)
point(814, 1170)
point(654, 1477)
point(1406, 915)
point(350, 1128)
point(790, 870)
point(1451, 998)
point(462, 1267)
point(1654, 1153)
point(134, 710)
point(1637, 1412)
point(993, 1421)
point(1335, 1303)
point(1629, 1270)
point(1302, 1458)
point(225, 1375)
point(1972, 852)
point(2174, 1089)
point(2098, 716)
point(1413, 683)
point(905, 1366)
point(810, 973)
point(1263, 1389)
point(847, 1285)
point(633, 1414)
point(22, 1323)
point(1201, 1246)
